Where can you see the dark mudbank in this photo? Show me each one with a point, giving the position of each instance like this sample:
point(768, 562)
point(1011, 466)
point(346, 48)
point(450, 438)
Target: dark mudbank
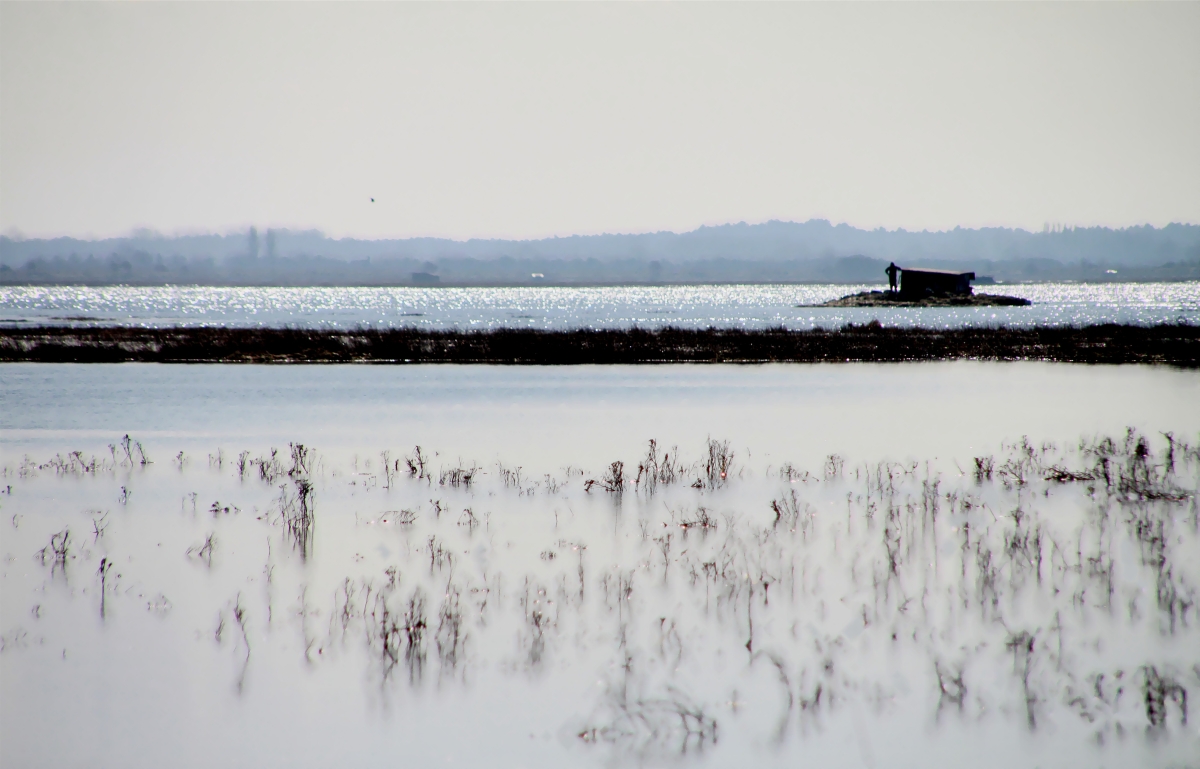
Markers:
point(1177, 345)
point(897, 299)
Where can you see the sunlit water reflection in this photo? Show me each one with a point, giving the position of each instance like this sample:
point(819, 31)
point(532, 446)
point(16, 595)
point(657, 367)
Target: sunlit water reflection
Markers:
point(748, 306)
point(842, 582)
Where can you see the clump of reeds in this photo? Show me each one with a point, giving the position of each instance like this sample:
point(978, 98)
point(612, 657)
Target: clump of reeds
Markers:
point(390, 467)
point(204, 551)
point(74, 463)
point(792, 474)
point(57, 551)
point(302, 459)
point(701, 520)
point(1159, 690)
point(390, 631)
point(613, 479)
point(216, 508)
point(439, 556)
point(655, 470)
point(416, 464)
point(952, 690)
point(270, 468)
point(984, 467)
point(450, 637)
point(718, 464)
point(400, 517)
point(1140, 477)
point(468, 519)
point(414, 634)
point(536, 604)
point(457, 476)
point(791, 513)
point(297, 513)
point(648, 727)
point(100, 525)
point(130, 447)
point(509, 476)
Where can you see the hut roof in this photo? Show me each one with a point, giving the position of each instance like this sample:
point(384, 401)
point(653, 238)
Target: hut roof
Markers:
point(938, 272)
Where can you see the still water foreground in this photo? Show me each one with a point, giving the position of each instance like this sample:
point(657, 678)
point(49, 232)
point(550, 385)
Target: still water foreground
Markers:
point(1044, 601)
point(1032, 601)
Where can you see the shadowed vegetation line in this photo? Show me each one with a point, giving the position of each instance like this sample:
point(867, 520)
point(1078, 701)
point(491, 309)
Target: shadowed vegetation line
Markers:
point(1172, 344)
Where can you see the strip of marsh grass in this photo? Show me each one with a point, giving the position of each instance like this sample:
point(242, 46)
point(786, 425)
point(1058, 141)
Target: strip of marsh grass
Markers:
point(1173, 344)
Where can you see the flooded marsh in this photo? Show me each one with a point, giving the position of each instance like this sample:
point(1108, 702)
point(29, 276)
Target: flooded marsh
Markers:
point(663, 593)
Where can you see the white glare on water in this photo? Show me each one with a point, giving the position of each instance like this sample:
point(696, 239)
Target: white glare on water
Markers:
point(208, 591)
point(746, 306)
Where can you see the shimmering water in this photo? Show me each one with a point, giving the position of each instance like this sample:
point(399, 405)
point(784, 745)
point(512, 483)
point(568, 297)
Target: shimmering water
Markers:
point(747, 306)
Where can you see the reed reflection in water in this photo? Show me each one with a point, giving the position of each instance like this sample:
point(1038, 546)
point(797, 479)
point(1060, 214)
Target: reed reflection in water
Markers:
point(1040, 602)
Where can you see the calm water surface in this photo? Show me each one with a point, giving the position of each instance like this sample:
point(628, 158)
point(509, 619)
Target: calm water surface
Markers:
point(835, 580)
point(749, 306)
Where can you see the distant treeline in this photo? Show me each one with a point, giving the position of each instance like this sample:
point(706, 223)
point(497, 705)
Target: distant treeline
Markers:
point(814, 251)
point(1177, 345)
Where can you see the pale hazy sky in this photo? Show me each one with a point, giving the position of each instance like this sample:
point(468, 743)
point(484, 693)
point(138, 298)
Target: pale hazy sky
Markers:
point(515, 120)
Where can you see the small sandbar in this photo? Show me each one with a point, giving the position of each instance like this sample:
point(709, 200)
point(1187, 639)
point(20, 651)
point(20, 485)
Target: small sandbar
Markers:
point(896, 299)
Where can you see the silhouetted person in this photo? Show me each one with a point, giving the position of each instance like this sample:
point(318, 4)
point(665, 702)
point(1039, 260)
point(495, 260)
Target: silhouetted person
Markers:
point(892, 271)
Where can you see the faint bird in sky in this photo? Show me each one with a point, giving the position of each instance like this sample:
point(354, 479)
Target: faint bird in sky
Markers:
point(372, 200)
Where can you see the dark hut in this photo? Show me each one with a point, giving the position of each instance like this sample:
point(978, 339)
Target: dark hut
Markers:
point(917, 284)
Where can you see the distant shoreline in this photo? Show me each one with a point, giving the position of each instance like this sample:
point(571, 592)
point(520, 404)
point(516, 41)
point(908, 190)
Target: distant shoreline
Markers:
point(816, 251)
point(1170, 344)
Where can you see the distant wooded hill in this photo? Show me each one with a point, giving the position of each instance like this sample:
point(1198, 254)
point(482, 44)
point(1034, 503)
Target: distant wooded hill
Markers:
point(813, 251)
